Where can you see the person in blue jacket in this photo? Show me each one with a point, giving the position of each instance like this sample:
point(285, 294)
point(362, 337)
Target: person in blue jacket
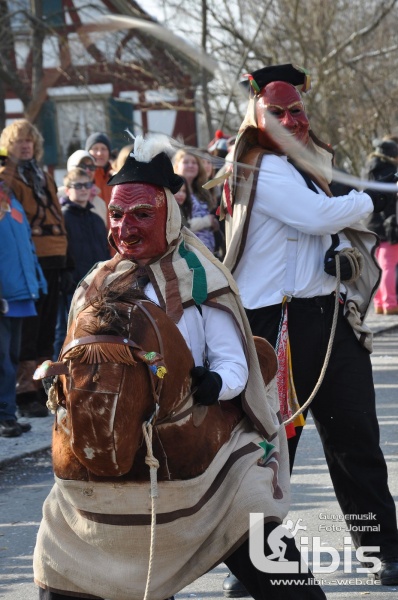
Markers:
point(21, 283)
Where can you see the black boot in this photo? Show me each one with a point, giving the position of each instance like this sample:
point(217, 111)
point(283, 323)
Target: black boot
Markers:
point(233, 588)
point(11, 428)
point(388, 572)
point(29, 406)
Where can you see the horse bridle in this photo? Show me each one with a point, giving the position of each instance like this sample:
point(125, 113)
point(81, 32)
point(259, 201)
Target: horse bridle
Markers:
point(156, 382)
point(60, 368)
point(173, 416)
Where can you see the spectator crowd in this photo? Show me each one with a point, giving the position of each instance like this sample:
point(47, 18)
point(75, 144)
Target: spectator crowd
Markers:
point(53, 235)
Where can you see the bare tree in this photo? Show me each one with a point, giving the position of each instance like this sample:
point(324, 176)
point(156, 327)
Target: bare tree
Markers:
point(70, 44)
point(349, 47)
point(205, 75)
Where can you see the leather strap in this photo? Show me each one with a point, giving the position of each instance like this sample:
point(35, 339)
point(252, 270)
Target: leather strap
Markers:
point(98, 339)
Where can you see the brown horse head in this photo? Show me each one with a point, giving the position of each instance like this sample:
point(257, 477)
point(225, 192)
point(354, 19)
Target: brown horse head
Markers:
point(108, 386)
point(116, 349)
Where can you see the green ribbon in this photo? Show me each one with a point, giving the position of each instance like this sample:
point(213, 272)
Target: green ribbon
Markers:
point(267, 447)
point(199, 284)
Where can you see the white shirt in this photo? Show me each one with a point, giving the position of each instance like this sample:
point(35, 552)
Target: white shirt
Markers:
point(213, 335)
point(283, 199)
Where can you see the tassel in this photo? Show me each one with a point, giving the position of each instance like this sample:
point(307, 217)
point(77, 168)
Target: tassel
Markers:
point(227, 194)
point(161, 372)
point(307, 79)
point(253, 83)
point(287, 393)
point(217, 180)
point(158, 371)
point(293, 402)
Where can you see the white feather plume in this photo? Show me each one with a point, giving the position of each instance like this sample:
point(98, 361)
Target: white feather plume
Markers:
point(145, 149)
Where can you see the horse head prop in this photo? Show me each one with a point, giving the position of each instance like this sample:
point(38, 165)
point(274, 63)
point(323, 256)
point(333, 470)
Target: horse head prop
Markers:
point(124, 363)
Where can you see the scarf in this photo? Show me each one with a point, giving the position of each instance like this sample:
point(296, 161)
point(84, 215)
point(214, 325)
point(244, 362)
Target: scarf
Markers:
point(33, 176)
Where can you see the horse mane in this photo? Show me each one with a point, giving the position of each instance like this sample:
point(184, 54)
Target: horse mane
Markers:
point(111, 309)
point(108, 314)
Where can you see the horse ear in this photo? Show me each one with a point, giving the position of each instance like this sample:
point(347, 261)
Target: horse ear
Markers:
point(49, 369)
point(267, 358)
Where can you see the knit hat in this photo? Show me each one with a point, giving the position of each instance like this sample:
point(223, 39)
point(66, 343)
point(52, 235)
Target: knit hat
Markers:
point(219, 144)
point(76, 158)
point(98, 138)
point(387, 149)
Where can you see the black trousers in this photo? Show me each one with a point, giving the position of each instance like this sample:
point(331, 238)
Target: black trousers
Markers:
point(258, 584)
point(263, 586)
point(344, 413)
point(38, 332)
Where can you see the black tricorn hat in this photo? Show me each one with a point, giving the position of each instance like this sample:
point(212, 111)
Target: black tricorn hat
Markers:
point(288, 73)
point(158, 171)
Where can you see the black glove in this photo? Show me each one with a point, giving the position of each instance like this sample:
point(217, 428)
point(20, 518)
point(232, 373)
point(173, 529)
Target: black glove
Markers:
point(209, 384)
point(330, 265)
point(66, 283)
point(378, 198)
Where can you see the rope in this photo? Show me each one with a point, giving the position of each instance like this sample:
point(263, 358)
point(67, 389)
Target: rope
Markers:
point(328, 351)
point(153, 464)
point(355, 259)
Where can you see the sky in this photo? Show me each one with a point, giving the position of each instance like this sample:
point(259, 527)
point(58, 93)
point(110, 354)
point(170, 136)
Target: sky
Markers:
point(152, 8)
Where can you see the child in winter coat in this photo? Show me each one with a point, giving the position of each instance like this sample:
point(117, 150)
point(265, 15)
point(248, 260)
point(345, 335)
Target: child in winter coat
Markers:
point(87, 242)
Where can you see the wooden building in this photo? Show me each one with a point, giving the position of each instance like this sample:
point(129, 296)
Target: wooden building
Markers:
point(95, 77)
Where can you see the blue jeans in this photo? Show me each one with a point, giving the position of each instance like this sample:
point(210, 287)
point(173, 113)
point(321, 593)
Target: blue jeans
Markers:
point(10, 342)
point(64, 302)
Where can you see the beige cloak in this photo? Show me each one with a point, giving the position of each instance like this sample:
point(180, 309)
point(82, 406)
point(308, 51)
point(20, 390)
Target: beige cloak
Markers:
point(94, 538)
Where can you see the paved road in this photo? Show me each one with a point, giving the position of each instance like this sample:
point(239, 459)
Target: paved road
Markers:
point(24, 488)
